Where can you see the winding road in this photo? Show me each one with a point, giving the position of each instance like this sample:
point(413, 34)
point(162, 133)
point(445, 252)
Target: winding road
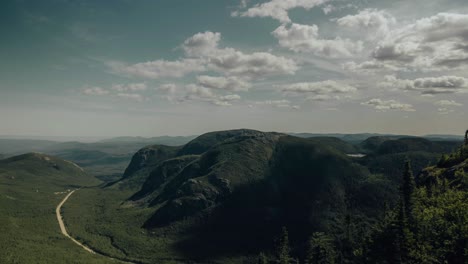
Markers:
point(62, 225)
point(65, 233)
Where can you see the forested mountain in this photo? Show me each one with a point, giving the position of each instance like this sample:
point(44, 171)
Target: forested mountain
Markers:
point(234, 190)
point(246, 196)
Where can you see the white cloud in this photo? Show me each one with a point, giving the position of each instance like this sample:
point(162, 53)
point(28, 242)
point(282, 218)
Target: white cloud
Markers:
point(278, 9)
point(328, 9)
point(378, 22)
point(254, 65)
point(198, 93)
point(223, 83)
point(369, 67)
point(230, 97)
point(95, 91)
point(446, 106)
point(131, 96)
point(243, 3)
point(382, 105)
point(159, 68)
point(277, 103)
point(446, 103)
point(230, 61)
point(305, 38)
point(201, 44)
point(132, 87)
point(126, 91)
point(428, 85)
point(319, 90)
point(445, 111)
point(428, 44)
point(203, 54)
point(321, 97)
point(169, 88)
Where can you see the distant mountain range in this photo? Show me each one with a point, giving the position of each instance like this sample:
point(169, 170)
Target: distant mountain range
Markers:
point(356, 138)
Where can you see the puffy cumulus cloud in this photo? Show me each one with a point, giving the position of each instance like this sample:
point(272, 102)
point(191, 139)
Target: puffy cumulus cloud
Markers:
point(319, 91)
point(95, 91)
point(278, 9)
point(305, 38)
point(446, 103)
point(428, 44)
point(429, 85)
point(131, 96)
point(383, 105)
point(201, 44)
point(223, 83)
point(328, 9)
point(378, 21)
point(159, 68)
point(229, 61)
point(132, 87)
point(203, 54)
point(277, 103)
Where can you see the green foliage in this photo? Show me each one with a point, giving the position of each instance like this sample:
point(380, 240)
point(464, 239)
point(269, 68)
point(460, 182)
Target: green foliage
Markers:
point(262, 258)
point(407, 192)
point(283, 249)
point(321, 250)
point(223, 203)
point(29, 232)
point(430, 224)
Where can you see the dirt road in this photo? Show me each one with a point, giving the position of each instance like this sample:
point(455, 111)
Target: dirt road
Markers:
point(62, 225)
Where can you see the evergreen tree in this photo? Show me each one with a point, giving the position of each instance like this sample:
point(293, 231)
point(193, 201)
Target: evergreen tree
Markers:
point(407, 192)
point(443, 160)
point(466, 138)
point(262, 258)
point(283, 247)
point(321, 250)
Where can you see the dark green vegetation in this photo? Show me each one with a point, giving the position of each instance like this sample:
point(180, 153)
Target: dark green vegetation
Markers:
point(225, 196)
point(28, 226)
point(245, 196)
point(430, 222)
point(385, 155)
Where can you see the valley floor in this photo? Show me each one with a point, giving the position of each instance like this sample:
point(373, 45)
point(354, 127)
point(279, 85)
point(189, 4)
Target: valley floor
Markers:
point(97, 218)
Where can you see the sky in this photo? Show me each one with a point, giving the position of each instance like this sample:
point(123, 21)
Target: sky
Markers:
point(175, 67)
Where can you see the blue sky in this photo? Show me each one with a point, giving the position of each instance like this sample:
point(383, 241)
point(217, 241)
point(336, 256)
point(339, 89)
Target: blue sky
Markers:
point(148, 68)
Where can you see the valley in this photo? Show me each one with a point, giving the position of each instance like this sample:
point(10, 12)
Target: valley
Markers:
point(221, 198)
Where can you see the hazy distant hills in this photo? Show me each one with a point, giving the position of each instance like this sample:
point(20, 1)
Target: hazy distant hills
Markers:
point(163, 140)
point(106, 158)
point(359, 137)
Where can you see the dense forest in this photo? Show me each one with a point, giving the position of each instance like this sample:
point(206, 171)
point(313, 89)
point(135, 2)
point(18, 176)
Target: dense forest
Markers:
point(429, 223)
point(246, 196)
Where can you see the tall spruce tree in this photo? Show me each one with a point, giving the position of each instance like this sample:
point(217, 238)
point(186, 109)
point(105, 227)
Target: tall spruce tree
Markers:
point(407, 193)
point(321, 250)
point(283, 247)
point(466, 138)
